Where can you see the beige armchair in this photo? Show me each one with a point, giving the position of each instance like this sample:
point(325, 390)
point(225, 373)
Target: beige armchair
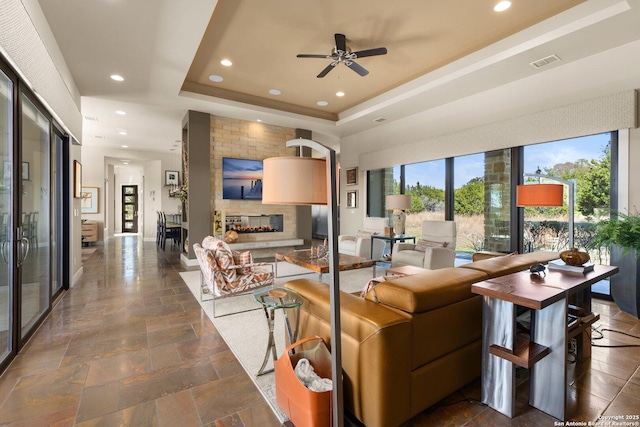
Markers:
point(436, 248)
point(225, 272)
point(360, 243)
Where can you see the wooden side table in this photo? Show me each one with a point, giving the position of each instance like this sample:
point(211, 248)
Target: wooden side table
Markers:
point(544, 349)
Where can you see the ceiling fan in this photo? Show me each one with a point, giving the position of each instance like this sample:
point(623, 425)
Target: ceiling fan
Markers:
point(341, 55)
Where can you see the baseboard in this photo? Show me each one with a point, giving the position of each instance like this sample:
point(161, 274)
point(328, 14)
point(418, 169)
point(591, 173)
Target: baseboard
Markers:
point(77, 276)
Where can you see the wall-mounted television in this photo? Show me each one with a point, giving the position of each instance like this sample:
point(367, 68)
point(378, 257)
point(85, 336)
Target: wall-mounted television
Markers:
point(241, 179)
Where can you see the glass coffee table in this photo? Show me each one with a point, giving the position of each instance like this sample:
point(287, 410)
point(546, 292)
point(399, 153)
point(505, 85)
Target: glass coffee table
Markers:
point(271, 300)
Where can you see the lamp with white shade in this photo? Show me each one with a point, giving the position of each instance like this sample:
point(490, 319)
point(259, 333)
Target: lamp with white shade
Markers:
point(398, 203)
point(312, 181)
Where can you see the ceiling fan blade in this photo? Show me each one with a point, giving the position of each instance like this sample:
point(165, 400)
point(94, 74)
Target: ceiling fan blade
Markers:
point(370, 52)
point(305, 55)
point(357, 68)
point(341, 42)
point(326, 70)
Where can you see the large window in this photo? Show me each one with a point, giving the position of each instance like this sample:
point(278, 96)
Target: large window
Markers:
point(480, 188)
point(425, 182)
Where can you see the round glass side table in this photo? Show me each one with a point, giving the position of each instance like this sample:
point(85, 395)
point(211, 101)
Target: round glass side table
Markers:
point(272, 299)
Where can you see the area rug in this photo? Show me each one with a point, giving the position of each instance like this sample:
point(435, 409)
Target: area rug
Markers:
point(246, 333)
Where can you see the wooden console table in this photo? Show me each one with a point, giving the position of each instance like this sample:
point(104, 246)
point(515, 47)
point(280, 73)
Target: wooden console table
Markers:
point(544, 349)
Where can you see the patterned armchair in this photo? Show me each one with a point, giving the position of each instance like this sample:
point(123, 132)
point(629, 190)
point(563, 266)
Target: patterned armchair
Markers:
point(225, 272)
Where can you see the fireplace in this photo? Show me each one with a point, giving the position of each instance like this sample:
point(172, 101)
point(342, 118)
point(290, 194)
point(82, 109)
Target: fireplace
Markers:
point(254, 223)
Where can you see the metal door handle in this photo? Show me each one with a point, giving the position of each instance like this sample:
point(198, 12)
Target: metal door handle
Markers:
point(24, 250)
point(23, 247)
point(4, 251)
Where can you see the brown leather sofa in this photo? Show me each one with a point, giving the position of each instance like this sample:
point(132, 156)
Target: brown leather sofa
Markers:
point(412, 341)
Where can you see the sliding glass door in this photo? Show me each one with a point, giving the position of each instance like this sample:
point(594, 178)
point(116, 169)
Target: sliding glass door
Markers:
point(6, 207)
point(34, 260)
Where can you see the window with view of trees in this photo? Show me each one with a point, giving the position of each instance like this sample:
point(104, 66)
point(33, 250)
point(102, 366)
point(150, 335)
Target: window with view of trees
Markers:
point(482, 187)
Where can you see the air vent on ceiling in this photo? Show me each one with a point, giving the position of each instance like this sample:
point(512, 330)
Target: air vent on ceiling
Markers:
point(545, 61)
point(99, 137)
point(379, 120)
point(91, 118)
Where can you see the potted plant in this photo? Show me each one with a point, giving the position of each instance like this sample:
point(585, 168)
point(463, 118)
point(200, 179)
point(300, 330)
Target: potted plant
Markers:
point(622, 234)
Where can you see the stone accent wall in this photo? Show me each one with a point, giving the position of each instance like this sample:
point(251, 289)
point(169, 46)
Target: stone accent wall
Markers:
point(254, 141)
point(497, 188)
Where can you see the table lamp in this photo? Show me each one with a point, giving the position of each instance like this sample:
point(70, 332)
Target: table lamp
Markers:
point(397, 203)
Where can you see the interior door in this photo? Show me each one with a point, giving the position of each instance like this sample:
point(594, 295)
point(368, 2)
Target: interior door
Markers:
point(129, 208)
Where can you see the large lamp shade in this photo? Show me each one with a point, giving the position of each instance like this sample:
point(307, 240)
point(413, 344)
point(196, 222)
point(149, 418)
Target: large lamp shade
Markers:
point(294, 181)
point(540, 195)
point(398, 201)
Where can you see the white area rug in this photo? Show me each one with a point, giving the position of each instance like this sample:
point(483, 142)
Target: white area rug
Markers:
point(247, 333)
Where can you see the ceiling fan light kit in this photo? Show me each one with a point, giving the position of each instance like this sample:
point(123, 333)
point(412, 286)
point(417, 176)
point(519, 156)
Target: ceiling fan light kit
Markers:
point(342, 55)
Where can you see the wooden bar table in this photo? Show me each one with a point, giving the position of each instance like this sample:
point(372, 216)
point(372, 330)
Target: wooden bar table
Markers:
point(544, 348)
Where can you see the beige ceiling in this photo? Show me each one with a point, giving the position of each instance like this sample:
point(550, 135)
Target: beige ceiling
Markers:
point(262, 39)
point(159, 47)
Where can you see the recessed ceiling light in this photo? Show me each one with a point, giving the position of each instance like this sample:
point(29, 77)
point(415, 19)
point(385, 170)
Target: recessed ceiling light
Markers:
point(117, 77)
point(125, 146)
point(215, 78)
point(259, 121)
point(121, 113)
point(340, 93)
point(502, 6)
point(275, 92)
point(322, 103)
point(122, 132)
point(226, 63)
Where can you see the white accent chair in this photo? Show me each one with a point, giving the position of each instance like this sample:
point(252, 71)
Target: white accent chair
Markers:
point(360, 243)
point(432, 258)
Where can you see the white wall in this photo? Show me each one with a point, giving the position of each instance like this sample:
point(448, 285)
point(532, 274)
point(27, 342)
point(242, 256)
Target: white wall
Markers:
point(104, 170)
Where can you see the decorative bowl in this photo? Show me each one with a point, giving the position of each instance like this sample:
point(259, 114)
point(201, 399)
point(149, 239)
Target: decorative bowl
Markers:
point(574, 257)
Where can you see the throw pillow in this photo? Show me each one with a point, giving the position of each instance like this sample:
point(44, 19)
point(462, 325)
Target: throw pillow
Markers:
point(242, 258)
point(423, 244)
point(224, 259)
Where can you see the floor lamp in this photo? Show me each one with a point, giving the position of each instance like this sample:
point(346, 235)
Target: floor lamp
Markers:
point(542, 195)
point(312, 181)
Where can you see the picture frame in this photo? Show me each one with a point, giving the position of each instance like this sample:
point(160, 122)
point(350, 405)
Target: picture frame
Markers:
point(352, 199)
point(352, 176)
point(77, 179)
point(171, 178)
point(89, 202)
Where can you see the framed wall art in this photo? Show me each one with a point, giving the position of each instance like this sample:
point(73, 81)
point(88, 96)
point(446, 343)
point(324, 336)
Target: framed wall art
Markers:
point(89, 202)
point(352, 199)
point(77, 179)
point(171, 178)
point(352, 176)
